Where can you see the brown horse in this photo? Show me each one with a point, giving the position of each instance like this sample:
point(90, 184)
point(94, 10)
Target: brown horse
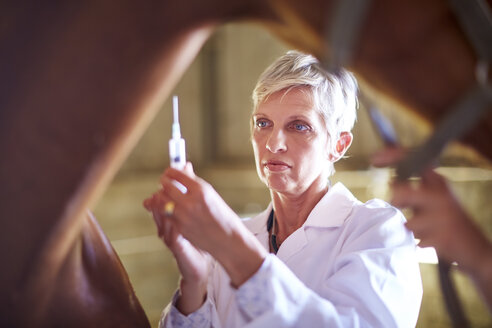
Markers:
point(80, 81)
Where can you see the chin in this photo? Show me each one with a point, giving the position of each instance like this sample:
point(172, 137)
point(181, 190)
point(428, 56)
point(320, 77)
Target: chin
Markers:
point(278, 184)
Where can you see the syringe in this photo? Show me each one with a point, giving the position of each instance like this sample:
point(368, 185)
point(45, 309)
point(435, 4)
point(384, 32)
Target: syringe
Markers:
point(177, 151)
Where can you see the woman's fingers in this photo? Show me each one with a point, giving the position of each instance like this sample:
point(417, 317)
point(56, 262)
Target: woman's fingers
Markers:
point(158, 222)
point(189, 169)
point(199, 215)
point(173, 191)
point(150, 203)
point(156, 204)
point(169, 233)
point(147, 203)
point(186, 177)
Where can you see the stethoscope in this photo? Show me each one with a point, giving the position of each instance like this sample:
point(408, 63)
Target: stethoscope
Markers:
point(271, 227)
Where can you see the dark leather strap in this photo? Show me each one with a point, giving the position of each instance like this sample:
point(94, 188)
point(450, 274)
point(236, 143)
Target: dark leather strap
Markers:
point(342, 32)
point(476, 20)
point(460, 119)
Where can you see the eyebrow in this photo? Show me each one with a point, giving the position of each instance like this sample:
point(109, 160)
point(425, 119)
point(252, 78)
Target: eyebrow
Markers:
point(300, 117)
point(293, 117)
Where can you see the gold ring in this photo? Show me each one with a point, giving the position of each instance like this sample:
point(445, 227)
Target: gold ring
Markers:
point(169, 208)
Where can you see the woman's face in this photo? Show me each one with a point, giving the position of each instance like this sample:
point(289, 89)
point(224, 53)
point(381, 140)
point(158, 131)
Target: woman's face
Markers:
point(290, 143)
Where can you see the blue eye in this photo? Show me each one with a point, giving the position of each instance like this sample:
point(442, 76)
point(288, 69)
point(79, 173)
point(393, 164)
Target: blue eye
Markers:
point(261, 123)
point(300, 127)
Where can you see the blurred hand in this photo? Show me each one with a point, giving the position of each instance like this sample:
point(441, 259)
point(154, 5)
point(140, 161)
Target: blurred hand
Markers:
point(438, 219)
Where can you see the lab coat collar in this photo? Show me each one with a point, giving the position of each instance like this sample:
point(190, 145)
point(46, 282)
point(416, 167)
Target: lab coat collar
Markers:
point(331, 211)
point(258, 223)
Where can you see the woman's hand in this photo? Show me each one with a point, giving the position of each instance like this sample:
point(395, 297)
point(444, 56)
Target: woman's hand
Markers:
point(207, 222)
point(200, 214)
point(193, 264)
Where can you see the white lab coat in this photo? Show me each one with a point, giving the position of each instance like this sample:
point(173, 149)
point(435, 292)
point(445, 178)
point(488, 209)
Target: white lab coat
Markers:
point(350, 265)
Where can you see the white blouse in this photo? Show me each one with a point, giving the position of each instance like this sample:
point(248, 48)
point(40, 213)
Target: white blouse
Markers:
point(350, 265)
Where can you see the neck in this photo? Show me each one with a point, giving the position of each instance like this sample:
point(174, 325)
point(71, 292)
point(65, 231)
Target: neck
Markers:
point(291, 211)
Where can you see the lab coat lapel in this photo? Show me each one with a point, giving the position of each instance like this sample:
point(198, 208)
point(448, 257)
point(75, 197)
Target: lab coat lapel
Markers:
point(258, 226)
point(293, 244)
point(331, 211)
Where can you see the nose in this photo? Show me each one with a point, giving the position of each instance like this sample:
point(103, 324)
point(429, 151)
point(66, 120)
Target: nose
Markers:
point(276, 141)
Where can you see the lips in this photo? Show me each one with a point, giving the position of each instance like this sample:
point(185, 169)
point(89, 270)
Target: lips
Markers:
point(276, 166)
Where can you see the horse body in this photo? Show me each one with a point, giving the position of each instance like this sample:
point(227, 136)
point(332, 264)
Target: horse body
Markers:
point(80, 82)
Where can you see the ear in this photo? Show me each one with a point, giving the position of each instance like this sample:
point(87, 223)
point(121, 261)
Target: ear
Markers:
point(343, 143)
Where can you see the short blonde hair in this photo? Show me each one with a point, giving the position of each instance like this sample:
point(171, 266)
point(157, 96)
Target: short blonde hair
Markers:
point(334, 95)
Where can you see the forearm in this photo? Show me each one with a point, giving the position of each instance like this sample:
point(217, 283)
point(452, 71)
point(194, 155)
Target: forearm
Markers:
point(482, 276)
point(473, 253)
point(191, 297)
point(241, 255)
point(203, 317)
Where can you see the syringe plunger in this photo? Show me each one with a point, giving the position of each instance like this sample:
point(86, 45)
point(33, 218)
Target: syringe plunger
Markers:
point(177, 151)
point(176, 131)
